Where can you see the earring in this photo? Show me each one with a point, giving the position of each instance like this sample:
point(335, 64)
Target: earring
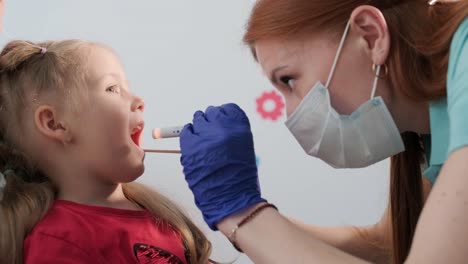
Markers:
point(380, 75)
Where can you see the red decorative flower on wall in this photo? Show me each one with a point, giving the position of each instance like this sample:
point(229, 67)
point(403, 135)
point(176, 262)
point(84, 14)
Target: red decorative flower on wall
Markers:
point(273, 98)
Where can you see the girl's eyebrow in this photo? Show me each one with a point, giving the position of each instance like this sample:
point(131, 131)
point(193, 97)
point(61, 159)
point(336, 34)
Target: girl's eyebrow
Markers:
point(110, 74)
point(114, 76)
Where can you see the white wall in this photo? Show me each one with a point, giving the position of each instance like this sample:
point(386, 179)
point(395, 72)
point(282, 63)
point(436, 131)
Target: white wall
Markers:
point(183, 55)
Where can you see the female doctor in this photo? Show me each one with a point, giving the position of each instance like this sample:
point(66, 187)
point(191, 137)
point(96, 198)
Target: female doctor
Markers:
point(363, 80)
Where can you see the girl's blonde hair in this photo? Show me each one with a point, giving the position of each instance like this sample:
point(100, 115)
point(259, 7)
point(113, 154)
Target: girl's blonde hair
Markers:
point(27, 71)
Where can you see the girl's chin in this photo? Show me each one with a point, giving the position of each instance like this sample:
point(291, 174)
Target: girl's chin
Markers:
point(135, 172)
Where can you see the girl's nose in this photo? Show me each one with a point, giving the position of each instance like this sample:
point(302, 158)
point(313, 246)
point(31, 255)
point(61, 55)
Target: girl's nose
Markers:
point(138, 104)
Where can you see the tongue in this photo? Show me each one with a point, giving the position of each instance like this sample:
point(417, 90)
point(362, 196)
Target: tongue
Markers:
point(135, 139)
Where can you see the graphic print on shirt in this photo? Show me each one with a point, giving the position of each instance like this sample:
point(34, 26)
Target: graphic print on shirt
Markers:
point(147, 254)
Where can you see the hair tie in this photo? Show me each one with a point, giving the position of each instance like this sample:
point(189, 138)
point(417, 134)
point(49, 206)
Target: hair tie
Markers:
point(43, 50)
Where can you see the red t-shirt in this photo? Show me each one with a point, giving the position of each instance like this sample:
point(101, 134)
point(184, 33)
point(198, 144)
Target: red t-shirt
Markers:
point(72, 233)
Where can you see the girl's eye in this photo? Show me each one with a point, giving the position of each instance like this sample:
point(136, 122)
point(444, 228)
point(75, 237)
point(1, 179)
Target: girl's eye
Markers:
point(112, 89)
point(289, 81)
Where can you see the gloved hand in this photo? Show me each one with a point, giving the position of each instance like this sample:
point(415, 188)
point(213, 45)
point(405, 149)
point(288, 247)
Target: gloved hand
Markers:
point(219, 162)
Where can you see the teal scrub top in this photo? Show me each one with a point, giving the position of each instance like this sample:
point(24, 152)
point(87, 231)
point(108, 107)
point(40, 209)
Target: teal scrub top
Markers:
point(449, 115)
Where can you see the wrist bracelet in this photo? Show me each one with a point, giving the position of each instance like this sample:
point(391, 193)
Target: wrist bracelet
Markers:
point(232, 236)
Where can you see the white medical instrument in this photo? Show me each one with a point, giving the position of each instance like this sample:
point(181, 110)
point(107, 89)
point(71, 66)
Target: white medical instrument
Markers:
point(165, 132)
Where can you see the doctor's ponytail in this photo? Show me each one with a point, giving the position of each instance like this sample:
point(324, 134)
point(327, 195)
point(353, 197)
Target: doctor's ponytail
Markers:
point(406, 195)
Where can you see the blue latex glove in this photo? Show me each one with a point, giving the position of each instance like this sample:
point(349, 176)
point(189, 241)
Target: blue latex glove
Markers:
point(219, 162)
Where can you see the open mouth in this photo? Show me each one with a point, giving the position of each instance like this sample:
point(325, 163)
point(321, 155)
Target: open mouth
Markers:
point(136, 134)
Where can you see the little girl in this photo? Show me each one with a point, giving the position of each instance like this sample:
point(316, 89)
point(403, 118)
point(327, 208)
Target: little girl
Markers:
point(69, 155)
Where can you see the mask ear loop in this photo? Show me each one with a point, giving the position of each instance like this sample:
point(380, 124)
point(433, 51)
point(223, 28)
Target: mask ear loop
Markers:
point(338, 52)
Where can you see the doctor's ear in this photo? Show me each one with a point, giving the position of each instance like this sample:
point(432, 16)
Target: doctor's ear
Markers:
point(49, 124)
point(368, 23)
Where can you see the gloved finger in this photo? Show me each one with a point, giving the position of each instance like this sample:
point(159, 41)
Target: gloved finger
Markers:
point(212, 113)
point(187, 131)
point(199, 122)
point(187, 139)
point(197, 116)
point(233, 111)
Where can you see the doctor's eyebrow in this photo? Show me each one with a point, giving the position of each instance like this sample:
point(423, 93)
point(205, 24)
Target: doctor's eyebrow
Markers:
point(273, 73)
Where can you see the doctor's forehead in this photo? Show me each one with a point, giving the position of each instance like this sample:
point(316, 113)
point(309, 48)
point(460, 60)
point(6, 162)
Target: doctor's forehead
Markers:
point(272, 52)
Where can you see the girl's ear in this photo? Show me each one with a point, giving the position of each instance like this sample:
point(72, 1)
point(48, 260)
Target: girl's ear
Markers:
point(50, 125)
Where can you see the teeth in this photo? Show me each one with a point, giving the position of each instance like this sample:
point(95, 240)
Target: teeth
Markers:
point(136, 130)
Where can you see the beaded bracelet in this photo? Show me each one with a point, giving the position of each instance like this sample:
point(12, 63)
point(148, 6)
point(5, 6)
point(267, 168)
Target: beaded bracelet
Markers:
point(232, 236)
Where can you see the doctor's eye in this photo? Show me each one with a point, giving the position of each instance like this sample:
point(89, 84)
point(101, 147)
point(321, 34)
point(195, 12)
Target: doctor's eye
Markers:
point(288, 81)
point(113, 89)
